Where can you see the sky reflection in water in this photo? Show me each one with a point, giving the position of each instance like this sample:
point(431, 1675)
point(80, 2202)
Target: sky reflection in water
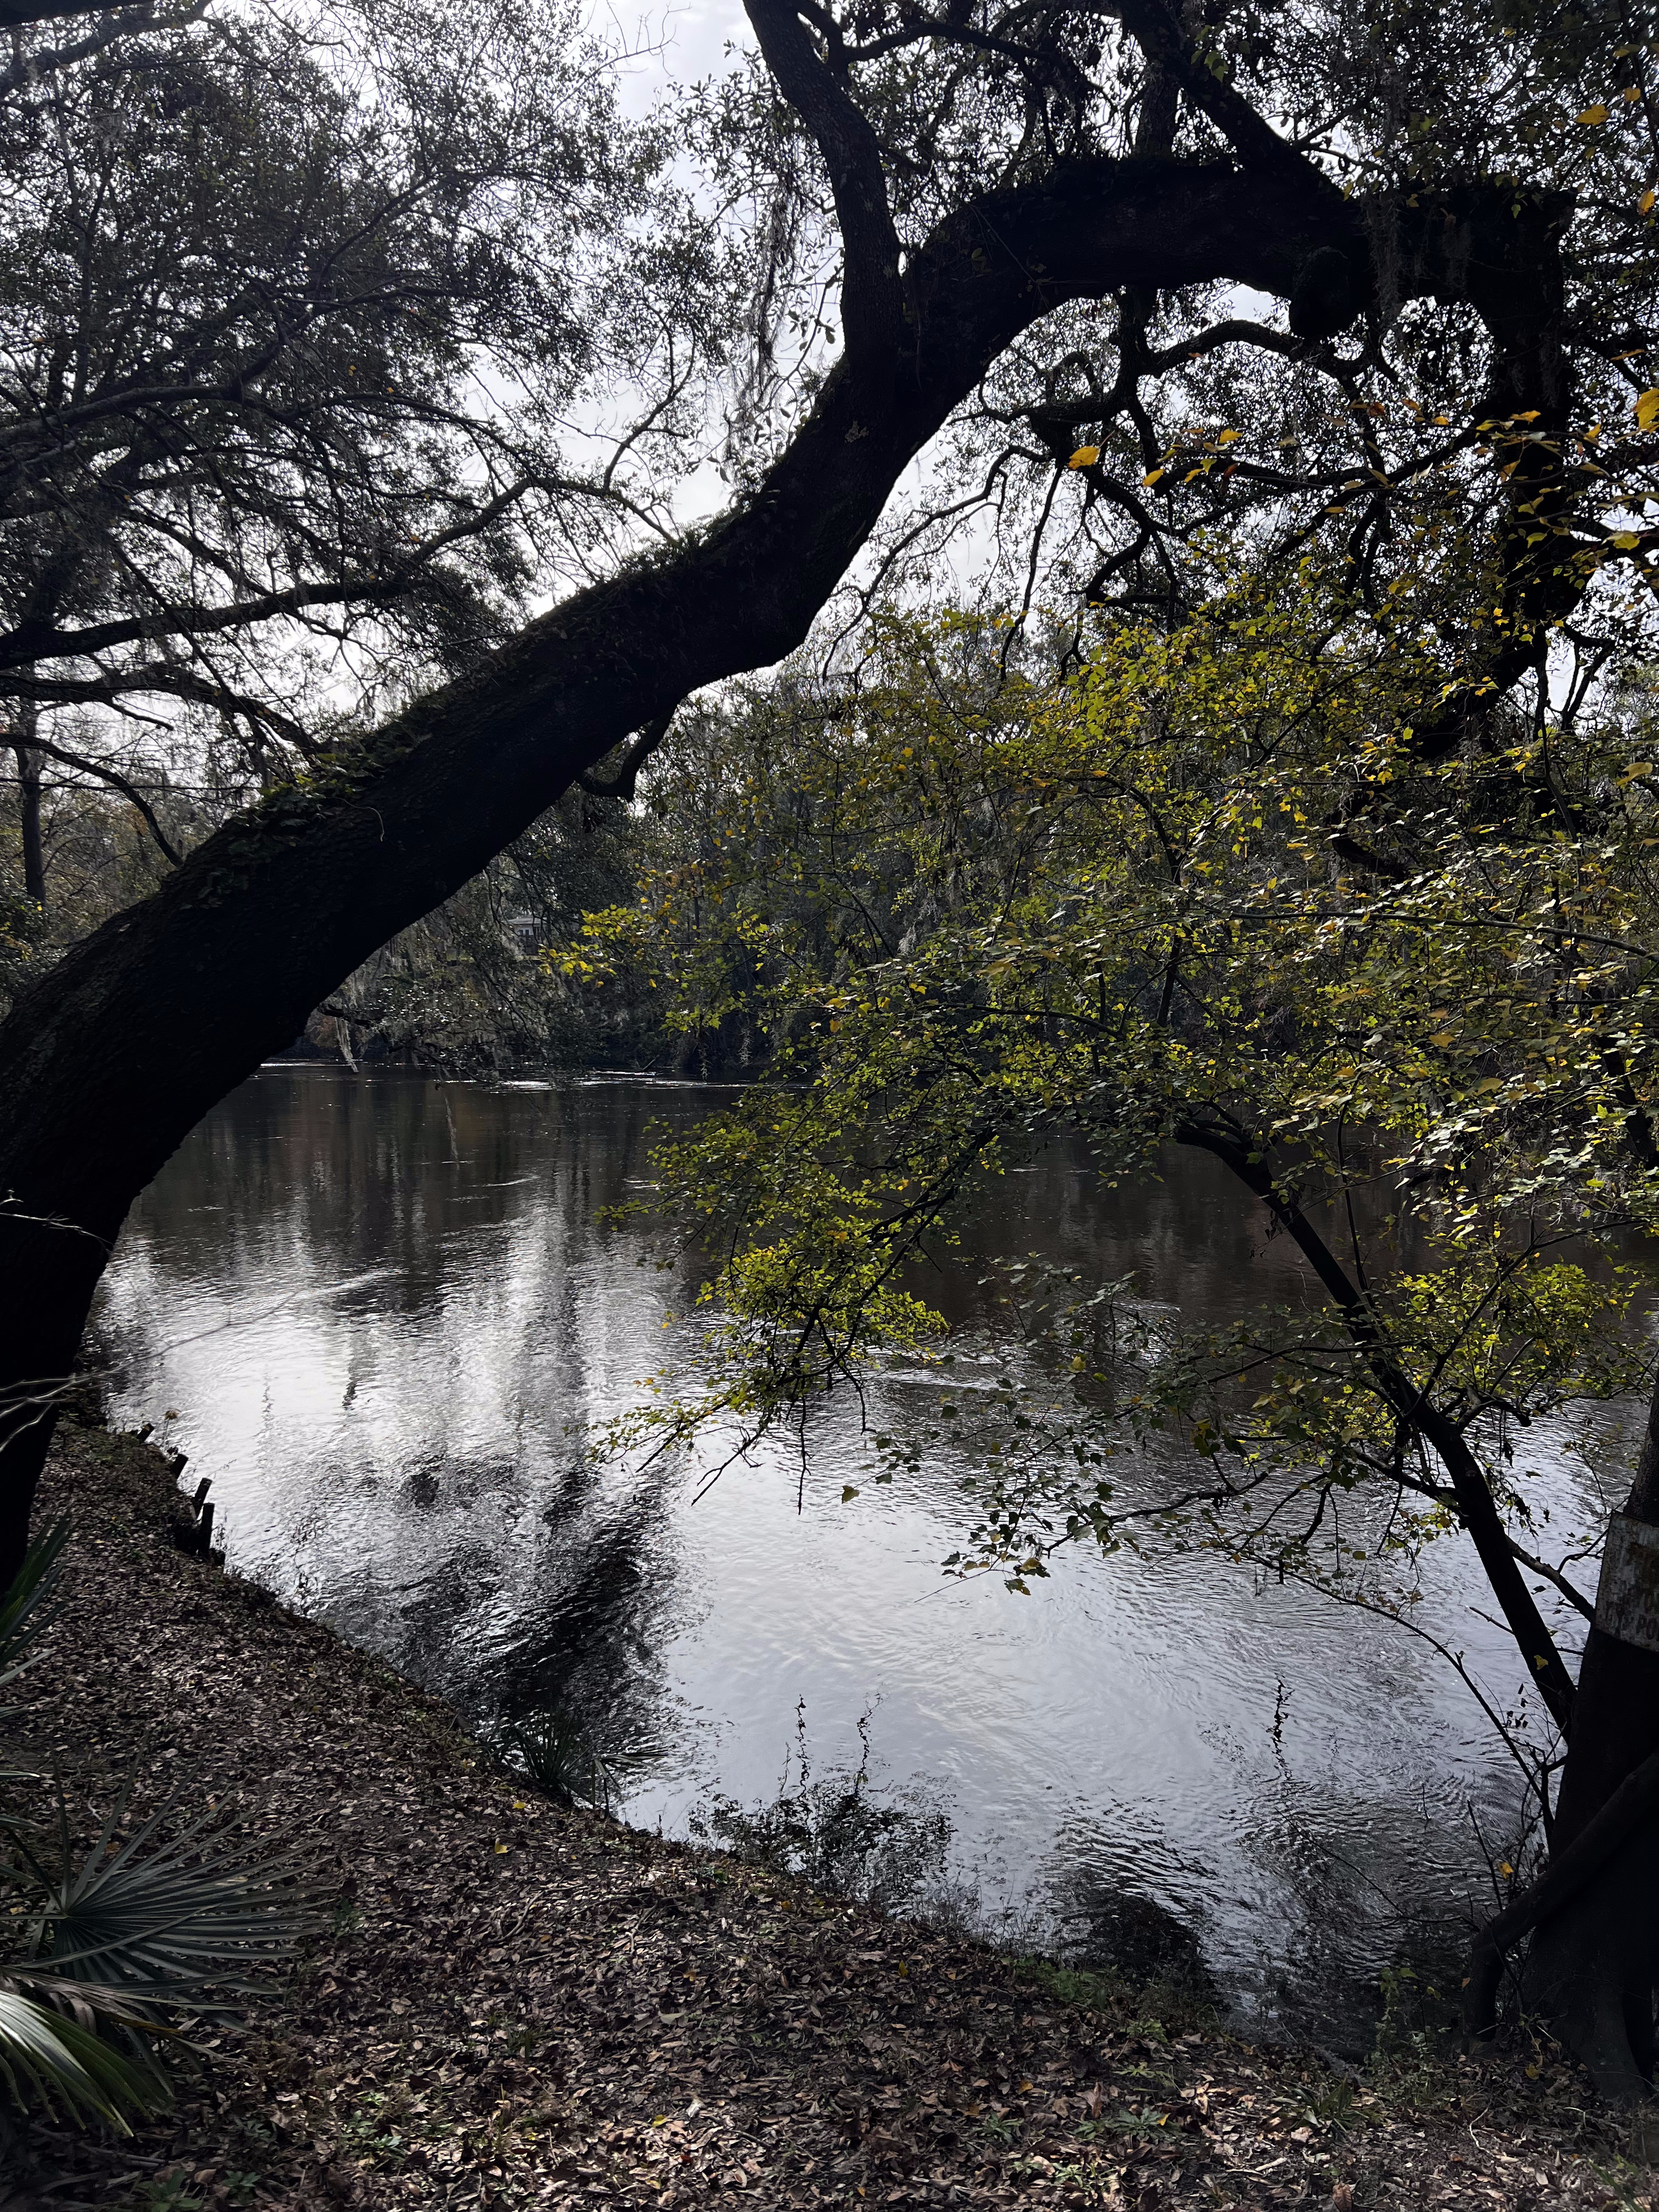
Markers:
point(384, 1312)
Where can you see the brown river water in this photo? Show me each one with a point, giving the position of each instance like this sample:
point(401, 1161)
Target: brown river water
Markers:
point(384, 1316)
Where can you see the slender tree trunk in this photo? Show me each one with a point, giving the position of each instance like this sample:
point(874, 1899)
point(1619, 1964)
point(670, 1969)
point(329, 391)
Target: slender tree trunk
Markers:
point(29, 807)
point(1595, 1965)
point(59, 1260)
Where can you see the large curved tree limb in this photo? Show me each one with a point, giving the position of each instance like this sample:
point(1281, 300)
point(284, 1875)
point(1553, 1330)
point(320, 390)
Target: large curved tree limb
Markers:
point(1202, 79)
point(109, 1061)
point(15, 14)
point(871, 296)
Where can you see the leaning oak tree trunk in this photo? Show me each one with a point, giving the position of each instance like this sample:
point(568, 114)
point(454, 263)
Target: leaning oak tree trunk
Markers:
point(109, 1061)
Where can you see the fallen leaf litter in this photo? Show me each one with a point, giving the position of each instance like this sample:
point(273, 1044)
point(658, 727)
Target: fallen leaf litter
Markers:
point(515, 2005)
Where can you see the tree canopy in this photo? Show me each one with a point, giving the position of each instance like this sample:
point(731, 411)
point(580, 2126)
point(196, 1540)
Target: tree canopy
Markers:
point(1290, 369)
point(1201, 892)
point(295, 317)
point(1201, 889)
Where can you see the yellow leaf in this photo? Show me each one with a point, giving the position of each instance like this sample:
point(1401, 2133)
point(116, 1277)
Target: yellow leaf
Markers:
point(1626, 540)
point(1647, 409)
point(1154, 478)
point(1226, 437)
point(1084, 458)
point(1596, 115)
point(1645, 205)
point(1443, 1037)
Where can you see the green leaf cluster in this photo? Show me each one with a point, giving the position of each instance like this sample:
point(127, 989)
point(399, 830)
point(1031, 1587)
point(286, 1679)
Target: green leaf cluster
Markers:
point(1202, 889)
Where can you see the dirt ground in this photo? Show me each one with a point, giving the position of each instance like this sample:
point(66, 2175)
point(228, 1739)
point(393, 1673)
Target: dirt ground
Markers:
point(514, 2005)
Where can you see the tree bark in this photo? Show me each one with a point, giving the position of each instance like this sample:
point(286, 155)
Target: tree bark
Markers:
point(28, 809)
point(1594, 1962)
point(14, 13)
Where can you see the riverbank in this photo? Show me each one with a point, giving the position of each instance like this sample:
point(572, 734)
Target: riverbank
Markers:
point(515, 2005)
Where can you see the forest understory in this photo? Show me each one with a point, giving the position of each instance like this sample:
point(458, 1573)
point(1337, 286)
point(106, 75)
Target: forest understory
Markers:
point(514, 2004)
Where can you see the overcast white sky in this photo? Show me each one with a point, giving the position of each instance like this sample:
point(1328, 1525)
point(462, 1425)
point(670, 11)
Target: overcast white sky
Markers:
point(681, 42)
point(690, 36)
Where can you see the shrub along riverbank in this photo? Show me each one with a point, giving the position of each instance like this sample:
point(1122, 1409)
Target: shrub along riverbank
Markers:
point(519, 2005)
